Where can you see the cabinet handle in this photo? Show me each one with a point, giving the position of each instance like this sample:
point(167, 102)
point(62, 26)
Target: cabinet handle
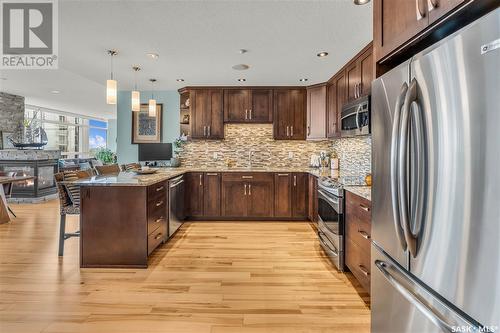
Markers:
point(364, 270)
point(283, 174)
point(360, 92)
point(291, 131)
point(308, 130)
point(287, 130)
point(420, 14)
point(204, 130)
point(200, 180)
point(432, 4)
point(158, 189)
point(208, 130)
point(355, 90)
point(247, 177)
point(158, 236)
point(249, 189)
point(363, 207)
point(364, 234)
point(246, 114)
point(212, 174)
point(245, 190)
point(250, 114)
point(159, 203)
point(159, 220)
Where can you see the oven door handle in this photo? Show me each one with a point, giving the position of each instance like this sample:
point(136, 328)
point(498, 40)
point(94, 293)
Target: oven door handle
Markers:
point(337, 205)
point(322, 240)
point(322, 222)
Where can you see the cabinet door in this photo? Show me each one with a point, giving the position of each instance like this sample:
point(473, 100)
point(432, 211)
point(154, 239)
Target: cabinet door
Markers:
point(395, 22)
point(212, 194)
point(199, 107)
point(234, 198)
point(332, 127)
point(194, 194)
point(236, 105)
point(261, 110)
point(352, 80)
point(283, 195)
point(437, 8)
point(316, 113)
point(282, 119)
point(312, 208)
point(341, 86)
point(214, 115)
point(299, 192)
point(260, 198)
point(365, 67)
point(298, 109)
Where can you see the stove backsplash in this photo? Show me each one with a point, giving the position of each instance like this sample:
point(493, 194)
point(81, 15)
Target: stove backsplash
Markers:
point(354, 155)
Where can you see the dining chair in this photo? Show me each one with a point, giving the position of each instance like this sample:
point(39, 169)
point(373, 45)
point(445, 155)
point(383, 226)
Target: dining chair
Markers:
point(107, 169)
point(7, 188)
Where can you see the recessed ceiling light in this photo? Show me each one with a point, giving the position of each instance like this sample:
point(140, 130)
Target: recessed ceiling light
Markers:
point(361, 2)
point(180, 80)
point(242, 80)
point(241, 51)
point(55, 91)
point(241, 67)
point(303, 80)
point(322, 54)
point(153, 55)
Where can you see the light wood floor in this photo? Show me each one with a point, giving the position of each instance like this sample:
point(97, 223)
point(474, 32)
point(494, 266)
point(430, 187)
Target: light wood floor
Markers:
point(212, 277)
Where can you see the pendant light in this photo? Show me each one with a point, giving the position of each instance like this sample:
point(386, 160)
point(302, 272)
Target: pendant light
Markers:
point(111, 86)
point(136, 95)
point(152, 101)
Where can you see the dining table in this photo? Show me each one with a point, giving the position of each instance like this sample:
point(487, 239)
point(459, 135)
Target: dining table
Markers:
point(4, 212)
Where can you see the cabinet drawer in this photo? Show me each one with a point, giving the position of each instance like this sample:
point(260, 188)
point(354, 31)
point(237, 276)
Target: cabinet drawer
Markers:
point(359, 207)
point(157, 237)
point(155, 221)
point(248, 176)
point(157, 208)
point(359, 232)
point(156, 191)
point(358, 262)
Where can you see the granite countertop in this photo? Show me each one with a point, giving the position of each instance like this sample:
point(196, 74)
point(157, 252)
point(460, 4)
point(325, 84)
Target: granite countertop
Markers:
point(362, 191)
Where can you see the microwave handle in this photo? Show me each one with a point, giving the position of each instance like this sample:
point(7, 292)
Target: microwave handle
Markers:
point(357, 116)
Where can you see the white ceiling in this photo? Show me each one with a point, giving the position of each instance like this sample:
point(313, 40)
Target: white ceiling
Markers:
point(197, 41)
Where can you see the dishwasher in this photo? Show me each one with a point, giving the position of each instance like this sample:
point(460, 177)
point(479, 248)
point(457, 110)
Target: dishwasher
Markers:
point(175, 204)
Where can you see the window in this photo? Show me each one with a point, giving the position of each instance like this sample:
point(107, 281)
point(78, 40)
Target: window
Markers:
point(73, 135)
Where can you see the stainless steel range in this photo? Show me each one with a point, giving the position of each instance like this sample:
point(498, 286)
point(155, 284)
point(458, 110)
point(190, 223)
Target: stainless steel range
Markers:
point(331, 219)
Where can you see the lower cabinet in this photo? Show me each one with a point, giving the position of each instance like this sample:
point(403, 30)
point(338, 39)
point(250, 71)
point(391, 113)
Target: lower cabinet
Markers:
point(211, 194)
point(194, 194)
point(291, 194)
point(358, 238)
point(312, 209)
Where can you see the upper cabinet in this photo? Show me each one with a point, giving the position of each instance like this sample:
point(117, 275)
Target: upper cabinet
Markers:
point(289, 114)
point(248, 105)
point(206, 114)
point(316, 112)
point(359, 74)
point(337, 95)
point(395, 22)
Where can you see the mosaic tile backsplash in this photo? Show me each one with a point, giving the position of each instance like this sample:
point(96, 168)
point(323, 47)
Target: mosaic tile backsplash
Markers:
point(240, 139)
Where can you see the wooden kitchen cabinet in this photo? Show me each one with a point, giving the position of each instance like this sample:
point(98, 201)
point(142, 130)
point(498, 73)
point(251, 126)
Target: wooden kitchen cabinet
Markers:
point(289, 114)
point(291, 195)
point(248, 105)
point(299, 195)
point(316, 112)
point(247, 195)
point(194, 194)
point(212, 194)
point(337, 94)
point(438, 8)
point(359, 74)
point(312, 200)
point(206, 114)
point(358, 237)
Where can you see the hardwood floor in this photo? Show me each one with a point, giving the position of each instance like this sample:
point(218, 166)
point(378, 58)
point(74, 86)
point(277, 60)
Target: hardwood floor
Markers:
point(212, 277)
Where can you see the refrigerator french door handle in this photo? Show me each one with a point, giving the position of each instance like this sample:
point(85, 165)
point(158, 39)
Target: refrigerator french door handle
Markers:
point(448, 322)
point(393, 165)
point(402, 158)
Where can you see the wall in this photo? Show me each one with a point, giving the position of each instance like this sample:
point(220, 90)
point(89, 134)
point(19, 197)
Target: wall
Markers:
point(126, 151)
point(111, 138)
point(11, 111)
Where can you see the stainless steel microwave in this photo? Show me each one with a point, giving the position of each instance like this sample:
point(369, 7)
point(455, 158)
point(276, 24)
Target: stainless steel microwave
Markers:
point(355, 117)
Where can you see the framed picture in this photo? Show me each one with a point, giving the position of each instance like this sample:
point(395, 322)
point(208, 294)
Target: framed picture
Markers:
point(5, 144)
point(146, 129)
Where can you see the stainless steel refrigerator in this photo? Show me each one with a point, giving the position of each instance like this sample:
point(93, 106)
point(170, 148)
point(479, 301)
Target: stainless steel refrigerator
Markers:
point(436, 187)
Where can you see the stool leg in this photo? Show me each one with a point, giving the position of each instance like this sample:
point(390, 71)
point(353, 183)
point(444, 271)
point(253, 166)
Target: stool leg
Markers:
point(62, 231)
point(10, 210)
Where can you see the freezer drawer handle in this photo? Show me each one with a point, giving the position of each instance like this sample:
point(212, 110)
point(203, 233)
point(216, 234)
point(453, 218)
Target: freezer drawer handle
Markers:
point(364, 270)
point(447, 322)
point(322, 240)
point(364, 234)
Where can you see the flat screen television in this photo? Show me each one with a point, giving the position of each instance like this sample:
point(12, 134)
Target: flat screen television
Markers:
point(155, 152)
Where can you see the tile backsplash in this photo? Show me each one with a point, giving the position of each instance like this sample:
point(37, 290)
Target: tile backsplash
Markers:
point(240, 139)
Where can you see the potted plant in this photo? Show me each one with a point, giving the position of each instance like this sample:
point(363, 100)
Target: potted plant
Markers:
point(105, 155)
point(178, 143)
